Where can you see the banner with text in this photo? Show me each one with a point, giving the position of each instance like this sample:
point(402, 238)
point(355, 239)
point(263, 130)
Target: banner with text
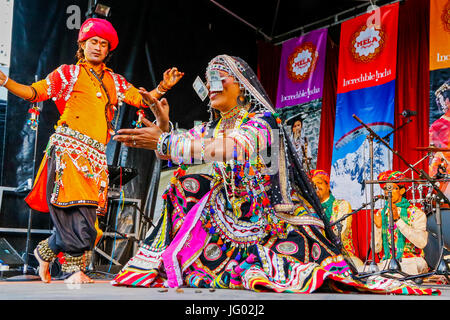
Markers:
point(440, 88)
point(366, 89)
point(301, 69)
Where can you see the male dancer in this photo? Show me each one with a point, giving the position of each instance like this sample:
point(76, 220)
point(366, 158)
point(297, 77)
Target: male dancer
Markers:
point(72, 181)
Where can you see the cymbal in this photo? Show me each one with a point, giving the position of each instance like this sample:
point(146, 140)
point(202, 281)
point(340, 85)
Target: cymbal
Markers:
point(432, 149)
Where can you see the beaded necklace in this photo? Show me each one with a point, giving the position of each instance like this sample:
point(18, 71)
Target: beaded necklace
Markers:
point(109, 107)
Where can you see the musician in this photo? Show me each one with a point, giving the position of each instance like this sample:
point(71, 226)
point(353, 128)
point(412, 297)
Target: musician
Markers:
point(72, 180)
point(410, 234)
point(335, 209)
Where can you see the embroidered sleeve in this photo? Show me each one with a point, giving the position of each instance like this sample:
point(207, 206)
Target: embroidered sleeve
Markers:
point(343, 207)
point(378, 240)
point(126, 92)
point(58, 85)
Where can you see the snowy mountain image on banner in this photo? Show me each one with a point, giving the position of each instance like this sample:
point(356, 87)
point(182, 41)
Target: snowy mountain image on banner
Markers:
point(348, 173)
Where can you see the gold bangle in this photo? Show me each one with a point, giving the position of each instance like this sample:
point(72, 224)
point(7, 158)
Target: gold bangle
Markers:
point(160, 92)
point(164, 88)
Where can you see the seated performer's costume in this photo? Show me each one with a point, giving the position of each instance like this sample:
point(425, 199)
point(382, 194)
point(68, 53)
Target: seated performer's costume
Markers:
point(410, 234)
point(243, 226)
point(72, 180)
point(336, 209)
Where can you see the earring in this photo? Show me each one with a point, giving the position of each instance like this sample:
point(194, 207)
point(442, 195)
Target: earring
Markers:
point(241, 100)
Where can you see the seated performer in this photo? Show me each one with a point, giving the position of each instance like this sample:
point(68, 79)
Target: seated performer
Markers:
point(72, 180)
point(334, 210)
point(410, 234)
point(255, 222)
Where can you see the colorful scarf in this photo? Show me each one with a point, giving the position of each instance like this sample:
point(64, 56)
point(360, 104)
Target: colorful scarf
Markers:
point(328, 206)
point(403, 204)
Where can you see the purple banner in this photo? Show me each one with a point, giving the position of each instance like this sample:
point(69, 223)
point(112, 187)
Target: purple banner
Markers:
point(301, 69)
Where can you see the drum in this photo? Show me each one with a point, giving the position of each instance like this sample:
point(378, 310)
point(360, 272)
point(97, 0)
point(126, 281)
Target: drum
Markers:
point(431, 250)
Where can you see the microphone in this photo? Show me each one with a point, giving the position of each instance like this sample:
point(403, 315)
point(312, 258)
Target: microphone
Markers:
point(408, 113)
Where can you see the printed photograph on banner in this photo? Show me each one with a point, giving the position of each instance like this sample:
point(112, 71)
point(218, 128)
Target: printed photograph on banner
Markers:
point(302, 68)
point(440, 126)
point(302, 122)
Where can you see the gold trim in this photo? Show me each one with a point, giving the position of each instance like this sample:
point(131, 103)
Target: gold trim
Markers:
point(300, 220)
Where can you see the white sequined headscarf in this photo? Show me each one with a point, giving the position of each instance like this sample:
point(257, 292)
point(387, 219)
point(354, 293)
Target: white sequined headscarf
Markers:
point(248, 82)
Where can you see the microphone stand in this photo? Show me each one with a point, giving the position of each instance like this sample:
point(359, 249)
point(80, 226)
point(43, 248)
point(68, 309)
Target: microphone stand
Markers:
point(387, 137)
point(394, 265)
point(25, 276)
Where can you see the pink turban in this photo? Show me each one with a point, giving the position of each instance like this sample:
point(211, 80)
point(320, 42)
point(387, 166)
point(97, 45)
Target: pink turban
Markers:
point(99, 27)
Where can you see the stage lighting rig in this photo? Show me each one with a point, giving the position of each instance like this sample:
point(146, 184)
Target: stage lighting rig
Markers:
point(98, 10)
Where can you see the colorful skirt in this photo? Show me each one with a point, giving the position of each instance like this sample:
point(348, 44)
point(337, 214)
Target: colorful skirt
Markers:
point(81, 173)
point(203, 239)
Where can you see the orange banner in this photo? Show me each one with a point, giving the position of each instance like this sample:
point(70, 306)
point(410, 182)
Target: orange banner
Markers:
point(439, 34)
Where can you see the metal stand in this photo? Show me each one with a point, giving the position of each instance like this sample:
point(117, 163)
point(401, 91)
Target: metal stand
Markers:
point(135, 203)
point(394, 265)
point(441, 267)
point(373, 266)
point(25, 276)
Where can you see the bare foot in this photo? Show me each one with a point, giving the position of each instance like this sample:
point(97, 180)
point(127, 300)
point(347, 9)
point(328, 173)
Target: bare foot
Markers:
point(43, 268)
point(78, 278)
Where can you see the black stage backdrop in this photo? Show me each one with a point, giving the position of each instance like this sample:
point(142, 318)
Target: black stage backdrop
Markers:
point(153, 36)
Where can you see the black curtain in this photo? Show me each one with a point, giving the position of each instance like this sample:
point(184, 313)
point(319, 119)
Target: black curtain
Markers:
point(153, 36)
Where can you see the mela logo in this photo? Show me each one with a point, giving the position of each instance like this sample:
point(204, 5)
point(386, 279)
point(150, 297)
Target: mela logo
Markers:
point(302, 61)
point(445, 17)
point(367, 43)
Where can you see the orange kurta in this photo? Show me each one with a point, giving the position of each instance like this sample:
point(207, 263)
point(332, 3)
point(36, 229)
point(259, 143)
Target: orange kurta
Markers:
point(81, 134)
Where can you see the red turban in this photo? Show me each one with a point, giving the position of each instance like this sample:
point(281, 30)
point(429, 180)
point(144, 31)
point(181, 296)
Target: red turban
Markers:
point(99, 27)
point(391, 175)
point(321, 174)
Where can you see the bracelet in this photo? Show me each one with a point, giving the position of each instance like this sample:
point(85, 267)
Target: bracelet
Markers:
point(202, 150)
point(187, 151)
point(170, 125)
point(4, 83)
point(159, 92)
point(163, 87)
point(161, 147)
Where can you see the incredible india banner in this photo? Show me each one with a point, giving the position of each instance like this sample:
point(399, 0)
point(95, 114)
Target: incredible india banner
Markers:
point(300, 90)
point(301, 69)
point(366, 89)
point(439, 130)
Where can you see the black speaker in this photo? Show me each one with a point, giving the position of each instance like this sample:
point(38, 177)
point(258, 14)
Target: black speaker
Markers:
point(8, 255)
